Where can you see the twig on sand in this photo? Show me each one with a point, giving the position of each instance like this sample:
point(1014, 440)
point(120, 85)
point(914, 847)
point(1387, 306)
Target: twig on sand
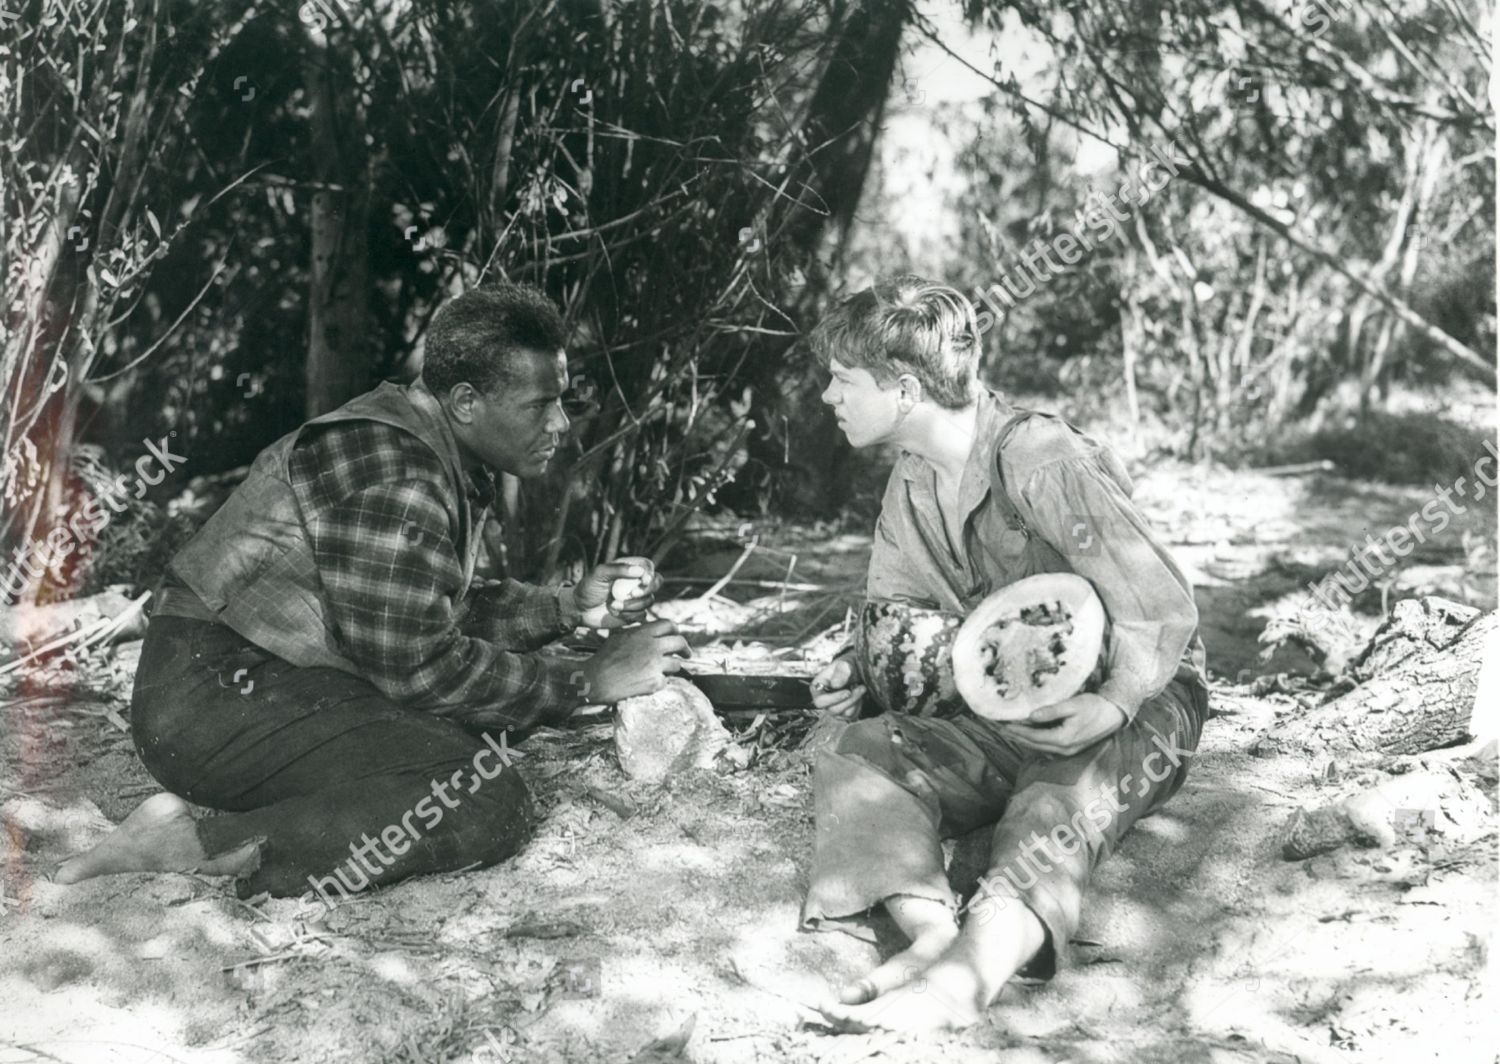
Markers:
point(544, 929)
point(719, 584)
point(735, 970)
point(766, 1032)
point(37, 701)
point(272, 959)
point(767, 584)
point(252, 910)
point(1296, 469)
point(1272, 790)
point(621, 807)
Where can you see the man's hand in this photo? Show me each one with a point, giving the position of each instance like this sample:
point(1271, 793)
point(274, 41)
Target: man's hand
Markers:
point(634, 662)
point(1068, 726)
point(831, 690)
point(615, 593)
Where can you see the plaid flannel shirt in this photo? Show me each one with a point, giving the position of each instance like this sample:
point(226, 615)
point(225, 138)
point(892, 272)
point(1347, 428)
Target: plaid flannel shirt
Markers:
point(376, 504)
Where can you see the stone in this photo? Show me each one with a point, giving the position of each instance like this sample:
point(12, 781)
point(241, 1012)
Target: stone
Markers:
point(667, 733)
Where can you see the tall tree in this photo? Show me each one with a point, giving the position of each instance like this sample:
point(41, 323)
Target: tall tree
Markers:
point(339, 355)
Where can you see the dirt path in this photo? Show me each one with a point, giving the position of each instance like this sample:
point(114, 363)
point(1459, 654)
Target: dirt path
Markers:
point(1199, 942)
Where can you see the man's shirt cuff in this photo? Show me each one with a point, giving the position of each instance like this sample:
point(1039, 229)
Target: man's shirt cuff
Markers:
point(566, 619)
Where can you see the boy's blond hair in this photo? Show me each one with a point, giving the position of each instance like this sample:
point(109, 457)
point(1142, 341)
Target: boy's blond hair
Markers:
point(906, 324)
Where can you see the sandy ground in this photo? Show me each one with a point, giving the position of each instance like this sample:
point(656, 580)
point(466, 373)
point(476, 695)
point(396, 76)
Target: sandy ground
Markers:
point(1199, 942)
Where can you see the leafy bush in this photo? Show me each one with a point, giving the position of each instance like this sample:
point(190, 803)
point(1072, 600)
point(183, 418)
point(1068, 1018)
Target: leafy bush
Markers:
point(1406, 448)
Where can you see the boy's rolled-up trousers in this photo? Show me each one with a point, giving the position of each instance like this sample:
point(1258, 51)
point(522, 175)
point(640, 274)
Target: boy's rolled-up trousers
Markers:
point(893, 786)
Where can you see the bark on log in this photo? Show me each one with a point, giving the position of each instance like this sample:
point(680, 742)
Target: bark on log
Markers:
point(1425, 702)
point(1415, 625)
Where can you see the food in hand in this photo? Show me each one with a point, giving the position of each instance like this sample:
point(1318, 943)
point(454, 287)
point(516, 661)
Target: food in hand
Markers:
point(1031, 644)
point(628, 587)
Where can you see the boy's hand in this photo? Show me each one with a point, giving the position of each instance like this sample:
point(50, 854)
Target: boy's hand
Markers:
point(831, 691)
point(1068, 726)
point(597, 602)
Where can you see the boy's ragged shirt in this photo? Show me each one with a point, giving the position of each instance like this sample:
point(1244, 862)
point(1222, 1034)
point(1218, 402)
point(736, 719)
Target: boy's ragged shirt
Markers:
point(1073, 500)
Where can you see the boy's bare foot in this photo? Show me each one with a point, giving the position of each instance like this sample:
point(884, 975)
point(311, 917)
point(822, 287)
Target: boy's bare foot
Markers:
point(901, 968)
point(954, 990)
point(159, 836)
point(944, 996)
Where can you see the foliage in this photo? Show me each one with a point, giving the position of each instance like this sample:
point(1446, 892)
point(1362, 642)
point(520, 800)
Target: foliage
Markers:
point(1332, 220)
point(219, 217)
point(100, 97)
point(641, 161)
point(1406, 448)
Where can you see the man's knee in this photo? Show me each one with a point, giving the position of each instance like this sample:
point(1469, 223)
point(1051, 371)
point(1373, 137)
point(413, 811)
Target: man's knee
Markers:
point(507, 815)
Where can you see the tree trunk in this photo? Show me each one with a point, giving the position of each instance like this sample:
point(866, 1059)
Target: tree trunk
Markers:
point(842, 121)
point(840, 127)
point(1425, 701)
point(338, 289)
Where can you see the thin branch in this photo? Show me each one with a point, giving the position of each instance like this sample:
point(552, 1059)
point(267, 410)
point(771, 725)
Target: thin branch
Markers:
point(1194, 175)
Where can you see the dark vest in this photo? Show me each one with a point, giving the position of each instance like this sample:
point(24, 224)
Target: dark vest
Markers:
point(252, 562)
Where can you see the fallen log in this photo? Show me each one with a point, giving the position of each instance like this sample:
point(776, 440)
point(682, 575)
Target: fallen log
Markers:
point(1411, 698)
point(1414, 625)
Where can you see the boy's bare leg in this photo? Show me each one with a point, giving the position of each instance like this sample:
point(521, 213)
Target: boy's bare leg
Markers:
point(930, 927)
point(953, 990)
point(160, 835)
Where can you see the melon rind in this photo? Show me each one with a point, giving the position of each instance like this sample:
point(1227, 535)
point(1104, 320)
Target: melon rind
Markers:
point(1082, 644)
point(903, 652)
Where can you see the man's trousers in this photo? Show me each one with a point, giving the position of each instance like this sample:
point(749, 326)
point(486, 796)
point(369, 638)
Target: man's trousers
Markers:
point(340, 787)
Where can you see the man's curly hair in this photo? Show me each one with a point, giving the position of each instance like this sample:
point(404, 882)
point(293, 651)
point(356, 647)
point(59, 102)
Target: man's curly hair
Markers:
point(476, 336)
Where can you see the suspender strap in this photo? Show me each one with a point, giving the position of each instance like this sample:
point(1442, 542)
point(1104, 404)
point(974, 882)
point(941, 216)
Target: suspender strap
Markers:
point(997, 477)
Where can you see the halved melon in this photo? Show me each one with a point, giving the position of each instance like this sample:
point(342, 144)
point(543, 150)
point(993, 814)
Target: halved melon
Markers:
point(1028, 645)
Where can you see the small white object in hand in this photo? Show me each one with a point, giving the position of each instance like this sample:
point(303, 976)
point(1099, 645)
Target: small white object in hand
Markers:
point(629, 587)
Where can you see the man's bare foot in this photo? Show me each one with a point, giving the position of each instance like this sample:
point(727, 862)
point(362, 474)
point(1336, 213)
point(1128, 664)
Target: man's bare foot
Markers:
point(944, 996)
point(901, 968)
point(159, 836)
